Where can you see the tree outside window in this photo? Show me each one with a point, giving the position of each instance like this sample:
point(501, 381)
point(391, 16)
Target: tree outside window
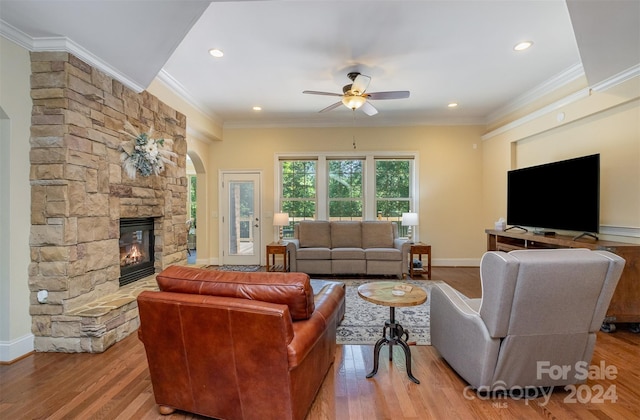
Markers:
point(393, 187)
point(345, 190)
point(345, 195)
point(298, 191)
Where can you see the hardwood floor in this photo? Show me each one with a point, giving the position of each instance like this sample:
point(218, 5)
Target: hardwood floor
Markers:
point(116, 384)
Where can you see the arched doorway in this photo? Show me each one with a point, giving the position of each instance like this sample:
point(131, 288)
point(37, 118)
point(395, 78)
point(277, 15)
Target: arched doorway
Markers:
point(197, 230)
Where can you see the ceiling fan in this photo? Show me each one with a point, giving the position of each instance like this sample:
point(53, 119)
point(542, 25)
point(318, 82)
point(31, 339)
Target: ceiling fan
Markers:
point(354, 95)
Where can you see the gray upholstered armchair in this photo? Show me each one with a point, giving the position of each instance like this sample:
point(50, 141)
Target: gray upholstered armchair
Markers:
point(540, 309)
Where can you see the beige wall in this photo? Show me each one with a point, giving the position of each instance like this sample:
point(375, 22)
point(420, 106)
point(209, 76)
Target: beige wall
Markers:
point(462, 188)
point(202, 132)
point(449, 164)
point(15, 101)
point(602, 122)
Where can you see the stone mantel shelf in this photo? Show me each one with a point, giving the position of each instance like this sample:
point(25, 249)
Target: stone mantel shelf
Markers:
point(124, 296)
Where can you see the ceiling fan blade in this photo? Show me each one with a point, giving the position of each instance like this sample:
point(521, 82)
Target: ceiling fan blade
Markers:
point(360, 84)
point(395, 94)
point(315, 92)
point(330, 107)
point(369, 109)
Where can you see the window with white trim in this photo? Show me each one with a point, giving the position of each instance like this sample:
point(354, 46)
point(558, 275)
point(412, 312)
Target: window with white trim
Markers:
point(359, 187)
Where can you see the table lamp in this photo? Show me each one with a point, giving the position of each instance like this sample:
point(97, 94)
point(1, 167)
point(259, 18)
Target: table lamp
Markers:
point(410, 220)
point(280, 220)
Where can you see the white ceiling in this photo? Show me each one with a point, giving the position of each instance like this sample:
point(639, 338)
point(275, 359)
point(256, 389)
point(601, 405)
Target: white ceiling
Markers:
point(441, 51)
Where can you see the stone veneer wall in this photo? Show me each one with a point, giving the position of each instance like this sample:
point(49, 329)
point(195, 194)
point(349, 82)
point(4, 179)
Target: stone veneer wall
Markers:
point(79, 192)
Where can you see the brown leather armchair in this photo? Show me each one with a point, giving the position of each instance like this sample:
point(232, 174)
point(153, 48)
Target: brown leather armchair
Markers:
point(239, 345)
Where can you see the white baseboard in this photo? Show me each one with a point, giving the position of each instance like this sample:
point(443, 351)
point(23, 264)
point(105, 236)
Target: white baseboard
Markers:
point(14, 349)
point(631, 232)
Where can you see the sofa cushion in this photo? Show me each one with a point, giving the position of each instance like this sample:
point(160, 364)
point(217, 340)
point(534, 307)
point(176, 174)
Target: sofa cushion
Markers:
point(377, 235)
point(291, 289)
point(313, 254)
point(346, 235)
point(314, 234)
point(347, 254)
point(383, 254)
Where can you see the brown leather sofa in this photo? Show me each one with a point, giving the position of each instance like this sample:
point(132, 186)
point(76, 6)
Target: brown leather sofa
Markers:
point(235, 345)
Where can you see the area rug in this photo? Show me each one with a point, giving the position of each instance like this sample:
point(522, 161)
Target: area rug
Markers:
point(245, 268)
point(363, 321)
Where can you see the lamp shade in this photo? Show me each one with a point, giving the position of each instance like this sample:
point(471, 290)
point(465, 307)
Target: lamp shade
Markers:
point(280, 219)
point(409, 219)
point(353, 101)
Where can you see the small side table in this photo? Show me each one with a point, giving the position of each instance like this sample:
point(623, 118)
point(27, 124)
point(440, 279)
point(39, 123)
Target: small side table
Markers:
point(419, 249)
point(382, 293)
point(274, 249)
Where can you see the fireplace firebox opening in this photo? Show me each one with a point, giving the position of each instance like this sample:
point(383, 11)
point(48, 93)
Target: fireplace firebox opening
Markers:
point(136, 249)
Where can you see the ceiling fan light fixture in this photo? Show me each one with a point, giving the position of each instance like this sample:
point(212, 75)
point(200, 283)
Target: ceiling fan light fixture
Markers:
point(353, 102)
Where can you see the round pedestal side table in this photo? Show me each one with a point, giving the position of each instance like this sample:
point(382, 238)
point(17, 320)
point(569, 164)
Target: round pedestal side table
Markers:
point(392, 294)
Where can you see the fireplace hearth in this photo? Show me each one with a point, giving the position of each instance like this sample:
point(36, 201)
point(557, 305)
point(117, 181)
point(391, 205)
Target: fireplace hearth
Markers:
point(136, 249)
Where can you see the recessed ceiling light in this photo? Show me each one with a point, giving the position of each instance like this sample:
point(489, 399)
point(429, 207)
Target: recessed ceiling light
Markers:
point(216, 52)
point(452, 105)
point(257, 108)
point(521, 46)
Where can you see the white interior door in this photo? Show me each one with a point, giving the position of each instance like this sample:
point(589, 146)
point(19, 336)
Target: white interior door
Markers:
point(240, 223)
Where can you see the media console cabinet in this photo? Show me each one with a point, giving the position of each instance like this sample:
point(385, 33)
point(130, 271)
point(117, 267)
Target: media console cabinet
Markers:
point(625, 304)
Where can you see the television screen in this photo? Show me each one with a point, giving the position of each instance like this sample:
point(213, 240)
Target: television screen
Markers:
point(562, 195)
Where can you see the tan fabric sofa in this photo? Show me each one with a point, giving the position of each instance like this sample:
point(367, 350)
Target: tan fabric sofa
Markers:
point(370, 247)
point(239, 346)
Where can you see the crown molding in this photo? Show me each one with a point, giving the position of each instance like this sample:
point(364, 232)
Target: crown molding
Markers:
point(199, 135)
point(605, 85)
point(567, 100)
point(617, 79)
point(563, 78)
point(381, 122)
point(61, 43)
point(177, 88)
point(15, 35)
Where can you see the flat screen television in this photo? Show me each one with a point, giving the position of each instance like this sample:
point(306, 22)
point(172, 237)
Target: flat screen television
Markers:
point(562, 195)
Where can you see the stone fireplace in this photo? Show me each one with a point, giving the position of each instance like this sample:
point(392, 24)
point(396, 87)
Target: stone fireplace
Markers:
point(79, 196)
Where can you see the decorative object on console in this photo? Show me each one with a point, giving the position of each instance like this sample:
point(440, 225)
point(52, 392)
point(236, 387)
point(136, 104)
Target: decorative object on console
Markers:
point(143, 154)
point(410, 220)
point(280, 220)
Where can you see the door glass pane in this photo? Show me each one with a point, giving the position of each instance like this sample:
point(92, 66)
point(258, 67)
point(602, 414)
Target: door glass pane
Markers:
point(241, 218)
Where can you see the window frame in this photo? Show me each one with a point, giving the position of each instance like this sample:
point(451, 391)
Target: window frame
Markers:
point(369, 184)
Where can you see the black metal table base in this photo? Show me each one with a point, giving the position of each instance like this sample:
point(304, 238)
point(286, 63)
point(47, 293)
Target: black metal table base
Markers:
point(397, 335)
